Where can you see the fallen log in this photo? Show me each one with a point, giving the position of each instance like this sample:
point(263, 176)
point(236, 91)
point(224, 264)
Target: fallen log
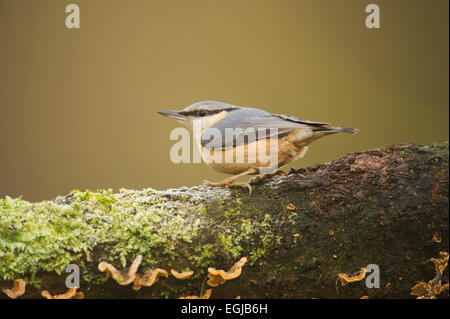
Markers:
point(386, 207)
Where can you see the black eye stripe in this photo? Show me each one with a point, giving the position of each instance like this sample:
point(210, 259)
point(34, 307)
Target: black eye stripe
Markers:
point(199, 112)
point(204, 112)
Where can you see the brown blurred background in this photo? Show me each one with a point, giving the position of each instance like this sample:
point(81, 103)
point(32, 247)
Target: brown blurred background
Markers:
point(78, 107)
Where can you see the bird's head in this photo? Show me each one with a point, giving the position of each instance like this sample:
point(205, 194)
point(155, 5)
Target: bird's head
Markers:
point(205, 113)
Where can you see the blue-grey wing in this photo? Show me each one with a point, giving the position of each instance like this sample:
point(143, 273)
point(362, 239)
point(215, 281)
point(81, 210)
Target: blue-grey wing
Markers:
point(247, 125)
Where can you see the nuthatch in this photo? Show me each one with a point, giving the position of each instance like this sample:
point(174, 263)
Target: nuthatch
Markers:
point(289, 135)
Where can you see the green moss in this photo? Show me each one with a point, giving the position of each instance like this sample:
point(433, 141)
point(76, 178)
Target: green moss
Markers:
point(34, 237)
point(85, 227)
point(256, 255)
point(49, 235)
point(239, 235)
point(230, 245)
point(206, 255)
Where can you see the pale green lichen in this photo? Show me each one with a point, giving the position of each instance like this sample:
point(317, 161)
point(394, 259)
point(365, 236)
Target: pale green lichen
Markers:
point(49, 235)
point(86, 227)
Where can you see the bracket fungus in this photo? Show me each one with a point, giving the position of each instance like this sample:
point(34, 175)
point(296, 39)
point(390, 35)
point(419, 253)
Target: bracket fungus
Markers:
point(428, 290)
point(437, 238)
point(149, 278)
point(419, 289)
point(206, 295)
point(123, 277)
point(218, 277)
point(69, 294)
point(17, 290)
point(345, 279)
point(290, 206)
point(441, 263)
point(434, 287)
point(181, 275)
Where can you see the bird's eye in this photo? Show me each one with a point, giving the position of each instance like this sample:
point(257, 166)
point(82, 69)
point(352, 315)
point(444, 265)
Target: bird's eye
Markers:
point(202, 113)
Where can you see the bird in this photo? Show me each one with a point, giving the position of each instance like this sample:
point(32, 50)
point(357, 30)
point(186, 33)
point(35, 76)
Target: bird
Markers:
point(236, 140)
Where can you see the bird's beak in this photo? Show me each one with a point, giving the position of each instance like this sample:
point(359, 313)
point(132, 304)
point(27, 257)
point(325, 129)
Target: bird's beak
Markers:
point(173, 114)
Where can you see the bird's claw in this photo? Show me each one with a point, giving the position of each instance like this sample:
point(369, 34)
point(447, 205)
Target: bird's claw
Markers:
point(244, 185)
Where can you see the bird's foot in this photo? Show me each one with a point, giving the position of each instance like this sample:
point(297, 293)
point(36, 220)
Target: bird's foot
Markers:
point(260, 178)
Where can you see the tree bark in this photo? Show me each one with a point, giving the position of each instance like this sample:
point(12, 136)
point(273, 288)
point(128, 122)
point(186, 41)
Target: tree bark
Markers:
point(387, 207)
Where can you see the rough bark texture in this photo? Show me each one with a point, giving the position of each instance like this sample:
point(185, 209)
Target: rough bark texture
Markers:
point(387, 207)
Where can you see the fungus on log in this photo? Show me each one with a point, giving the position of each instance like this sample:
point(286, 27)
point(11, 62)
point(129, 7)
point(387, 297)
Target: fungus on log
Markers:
point(219, 277)
point(345, 278)
point(387, 207)
point(124, 277)
point(17, 290)
point(69, 294)
point(181, 275)
point(149, 278)
point(206, 295)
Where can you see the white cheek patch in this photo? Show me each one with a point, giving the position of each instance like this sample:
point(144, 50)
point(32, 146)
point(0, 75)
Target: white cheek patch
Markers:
point(200, 125)
point(208, 121)
point(301, 135)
